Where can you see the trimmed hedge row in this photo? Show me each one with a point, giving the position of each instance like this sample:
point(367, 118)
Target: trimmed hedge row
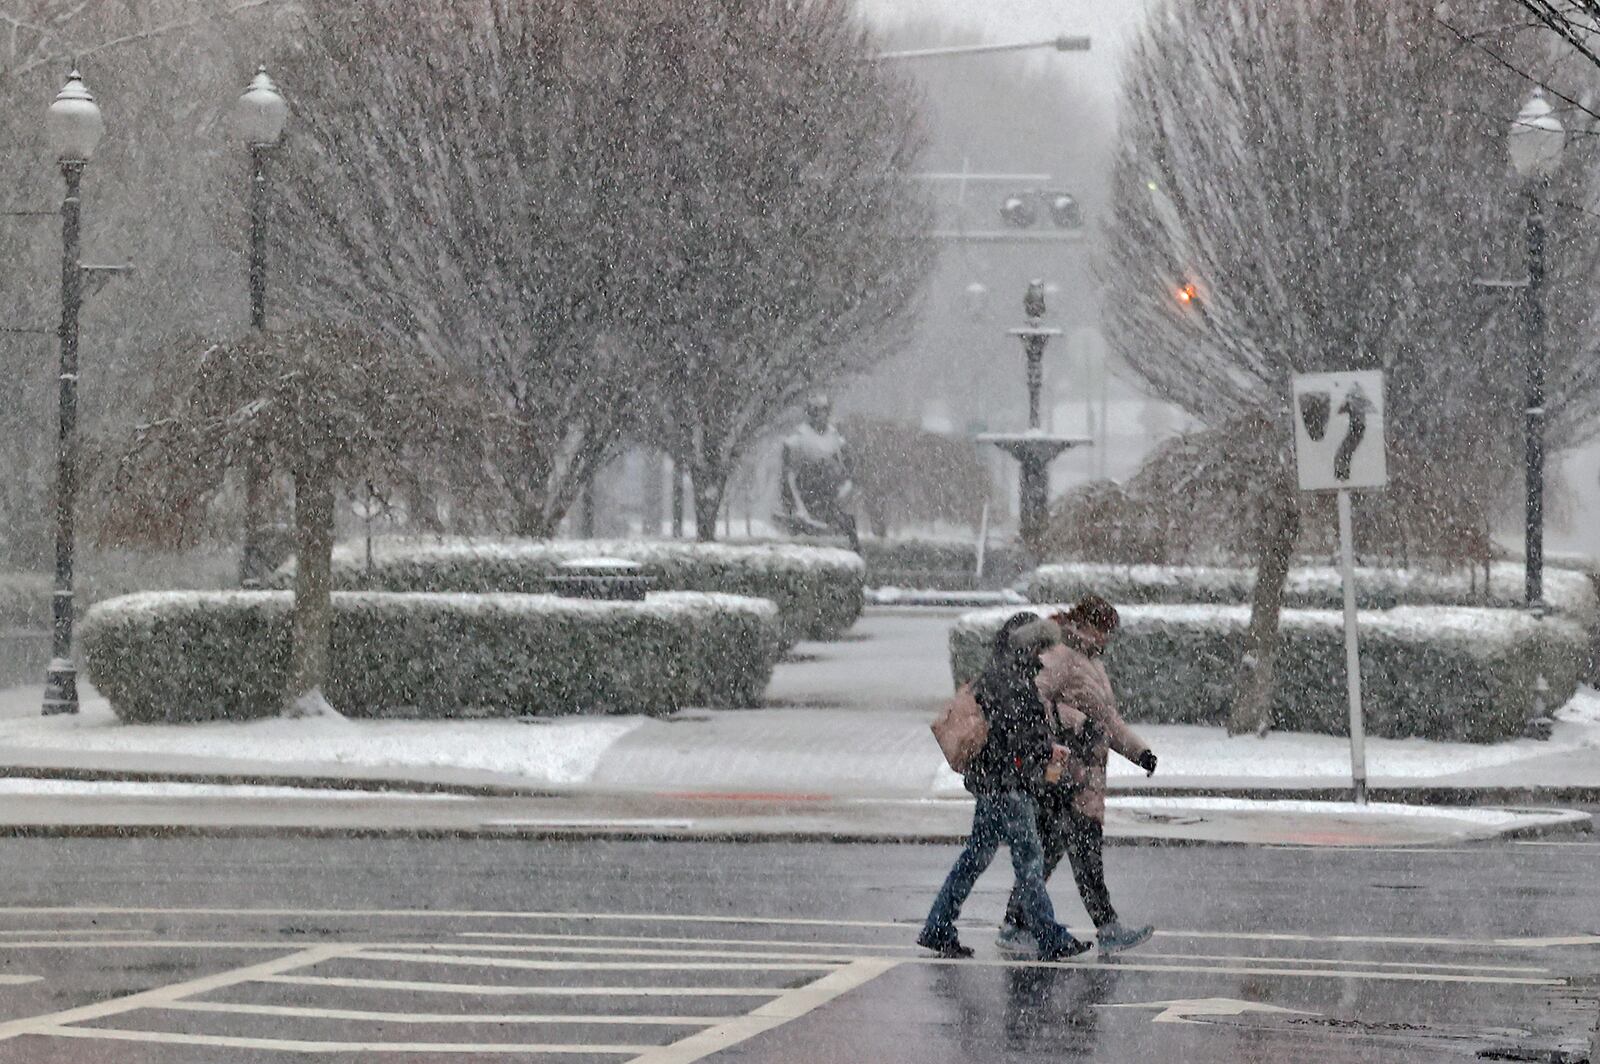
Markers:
point(194, 656)
point(819, 591)
point(1315, 588)
point(946, 565)
point(1433, 672)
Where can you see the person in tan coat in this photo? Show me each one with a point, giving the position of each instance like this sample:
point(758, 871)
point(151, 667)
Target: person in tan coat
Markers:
point(1074, 683)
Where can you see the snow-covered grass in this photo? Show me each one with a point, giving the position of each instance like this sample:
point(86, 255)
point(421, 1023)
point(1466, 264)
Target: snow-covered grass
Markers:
point(1377, 810)
point(555, 752)
point(19, 787)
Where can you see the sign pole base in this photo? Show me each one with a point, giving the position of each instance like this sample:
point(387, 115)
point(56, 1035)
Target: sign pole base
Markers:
point(1352, 653)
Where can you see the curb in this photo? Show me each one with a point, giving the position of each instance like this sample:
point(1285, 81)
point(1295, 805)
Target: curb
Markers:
point(1405, 795)
point(374, 784)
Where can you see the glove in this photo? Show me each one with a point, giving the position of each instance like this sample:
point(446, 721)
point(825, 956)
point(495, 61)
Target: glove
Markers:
point(1147, 761)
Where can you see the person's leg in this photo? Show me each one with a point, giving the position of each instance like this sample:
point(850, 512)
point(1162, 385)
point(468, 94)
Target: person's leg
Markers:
point(1020, 825)
point(1052, 837)
point(975, 857)
point(1084, 838)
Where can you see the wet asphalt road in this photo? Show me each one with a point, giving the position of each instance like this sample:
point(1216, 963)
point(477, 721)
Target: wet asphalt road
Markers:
point(279, 949)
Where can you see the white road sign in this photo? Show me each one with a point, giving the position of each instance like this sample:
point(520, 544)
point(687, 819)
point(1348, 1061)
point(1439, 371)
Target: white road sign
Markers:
point(1338, 431)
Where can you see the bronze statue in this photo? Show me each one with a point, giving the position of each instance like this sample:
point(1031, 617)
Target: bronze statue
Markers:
point(817, 490)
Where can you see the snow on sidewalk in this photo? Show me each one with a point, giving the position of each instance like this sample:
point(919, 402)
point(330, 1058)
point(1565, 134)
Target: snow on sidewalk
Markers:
point(555, 752)
point(828, 751)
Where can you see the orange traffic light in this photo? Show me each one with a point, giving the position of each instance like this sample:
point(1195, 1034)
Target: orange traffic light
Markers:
point(1187, 293)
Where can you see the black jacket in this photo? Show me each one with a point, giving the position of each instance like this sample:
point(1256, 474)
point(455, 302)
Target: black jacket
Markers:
point(1018, 749)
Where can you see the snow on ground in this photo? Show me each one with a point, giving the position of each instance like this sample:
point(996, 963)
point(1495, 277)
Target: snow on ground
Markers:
point(17, 787)
point(1487, 817)
point(555, 752)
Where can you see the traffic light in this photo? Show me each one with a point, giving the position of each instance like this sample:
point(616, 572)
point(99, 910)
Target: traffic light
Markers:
point(1188, 295)
point(1017, 211)
point(1064, 211)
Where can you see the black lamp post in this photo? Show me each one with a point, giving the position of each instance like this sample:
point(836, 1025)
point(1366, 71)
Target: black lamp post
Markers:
point(1536, 143)
point(260, 115)
point(74, 127)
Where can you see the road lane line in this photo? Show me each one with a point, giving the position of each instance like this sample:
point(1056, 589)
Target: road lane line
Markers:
point(289, 1045)
point(837, 957)
point(1213, 969)
point(502, 990)
point(588, 966)
point(18, 980)
point(897, 925)
point(867, 952)
point(1360, 962)
point(791, 1006)
point(305, 958)
point(443, 1017)
point(535, 936)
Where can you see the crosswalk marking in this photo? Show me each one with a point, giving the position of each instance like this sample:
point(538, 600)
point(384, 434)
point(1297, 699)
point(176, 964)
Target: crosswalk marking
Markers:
point(292, 1045)
point(535, 936)
point(378, 1016)
point(829, 969)
point(161, 995)
point(590, 966)
point(790, 1006)
point(502, 990)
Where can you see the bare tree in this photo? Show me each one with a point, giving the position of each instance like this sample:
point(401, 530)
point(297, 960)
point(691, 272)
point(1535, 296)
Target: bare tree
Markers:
point(165, 73)
point(1311, 186)
point(783, 240)
point(326, 405)
point(448, 185)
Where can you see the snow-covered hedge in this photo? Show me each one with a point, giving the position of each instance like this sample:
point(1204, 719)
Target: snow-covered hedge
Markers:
point(948, 565)
point(819, 591)
point(194, 656)
point(1435, 672)
point(1315, 588)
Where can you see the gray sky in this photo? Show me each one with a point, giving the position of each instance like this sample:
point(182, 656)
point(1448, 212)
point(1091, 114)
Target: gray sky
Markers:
point(1107, 22)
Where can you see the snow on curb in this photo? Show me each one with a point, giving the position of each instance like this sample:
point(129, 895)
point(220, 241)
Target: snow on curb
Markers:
point(554, 752)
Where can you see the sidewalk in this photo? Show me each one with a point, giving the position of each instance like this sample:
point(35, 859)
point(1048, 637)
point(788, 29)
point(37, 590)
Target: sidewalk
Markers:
point(843, 751)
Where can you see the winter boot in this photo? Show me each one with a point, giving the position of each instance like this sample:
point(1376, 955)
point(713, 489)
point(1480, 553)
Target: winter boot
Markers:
point(1115, 938)
point(947, 946)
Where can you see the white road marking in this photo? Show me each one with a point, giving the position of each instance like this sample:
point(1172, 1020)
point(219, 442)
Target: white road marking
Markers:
point(443, 1017)
point(289, 1045)
point(838, 957)
point(535, 936)
point(18, 980)
point(1213, 969)
point(868, 952)
point(1180, 1011)
point(1360, 961)
point(590, 966)
point(1540, 943)
point(897, 925)
point(502, 990)
point(791, 1006)
point(74, 931)
point(163, 995)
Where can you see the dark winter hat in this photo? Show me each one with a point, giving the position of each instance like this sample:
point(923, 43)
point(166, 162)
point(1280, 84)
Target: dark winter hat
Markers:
point(1035, 635)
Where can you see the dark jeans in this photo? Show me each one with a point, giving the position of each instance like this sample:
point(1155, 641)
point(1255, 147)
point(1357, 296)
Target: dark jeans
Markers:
point(1011, 817)
point(1063, 830)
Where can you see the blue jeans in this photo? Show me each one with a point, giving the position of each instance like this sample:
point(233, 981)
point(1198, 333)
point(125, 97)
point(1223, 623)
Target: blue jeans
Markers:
point(1011, 817)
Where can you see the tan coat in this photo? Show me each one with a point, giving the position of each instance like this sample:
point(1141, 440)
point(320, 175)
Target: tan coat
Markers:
point(1078, 688)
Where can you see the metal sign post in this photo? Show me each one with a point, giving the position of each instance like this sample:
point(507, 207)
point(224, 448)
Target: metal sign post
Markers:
point(1339, 446)
point(1352, 654)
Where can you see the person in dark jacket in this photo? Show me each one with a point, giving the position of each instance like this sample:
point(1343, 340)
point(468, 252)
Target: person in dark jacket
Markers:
point(1004, 778)
point(1073, 682)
